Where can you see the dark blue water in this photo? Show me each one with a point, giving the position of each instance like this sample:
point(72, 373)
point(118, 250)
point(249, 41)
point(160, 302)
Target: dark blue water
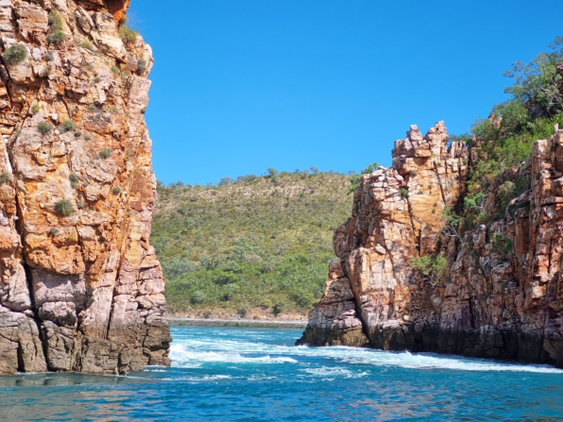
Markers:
point(235, 374)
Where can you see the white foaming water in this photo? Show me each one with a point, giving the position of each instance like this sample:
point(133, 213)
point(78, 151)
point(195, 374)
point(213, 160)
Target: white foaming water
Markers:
point(423, 361)
point(188, 353)
point(183, 356)
point(330, 373)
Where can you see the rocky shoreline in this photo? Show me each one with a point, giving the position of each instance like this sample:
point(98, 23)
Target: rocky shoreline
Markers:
point(214, 322)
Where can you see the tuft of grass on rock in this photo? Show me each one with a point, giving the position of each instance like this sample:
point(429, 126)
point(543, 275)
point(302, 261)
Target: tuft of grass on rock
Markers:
point(4, 177)
point(64, 207)
point(55, 22)
point(105, 153)
point(127, 34)
point(67, 126)
point(57, 37)
point(74, 179)
point(141, 66)
point(87, 44)
point(44, 128)
point(17, 53)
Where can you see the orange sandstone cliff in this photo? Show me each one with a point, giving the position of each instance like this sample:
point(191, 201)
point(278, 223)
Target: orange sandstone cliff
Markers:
point(501, 295)
point(80, 286)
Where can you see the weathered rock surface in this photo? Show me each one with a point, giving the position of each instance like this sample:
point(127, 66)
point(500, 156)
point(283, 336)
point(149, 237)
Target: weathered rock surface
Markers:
point(334, 322)
point(82, 290)
point(502, 294)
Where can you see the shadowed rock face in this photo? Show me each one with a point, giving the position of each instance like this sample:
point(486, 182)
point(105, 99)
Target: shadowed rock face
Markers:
point(502, 296)
point(80, 289)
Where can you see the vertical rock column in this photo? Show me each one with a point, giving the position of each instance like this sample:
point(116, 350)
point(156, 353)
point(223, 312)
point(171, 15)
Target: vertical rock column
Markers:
point(396, 216)
point(77, 267)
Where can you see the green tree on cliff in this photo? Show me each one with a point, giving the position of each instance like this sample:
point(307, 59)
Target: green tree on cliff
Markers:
point(355, 178)
point(537, 84)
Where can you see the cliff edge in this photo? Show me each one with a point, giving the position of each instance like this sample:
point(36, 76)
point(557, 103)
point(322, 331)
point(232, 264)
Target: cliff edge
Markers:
point(80, 286)
point(408, 279)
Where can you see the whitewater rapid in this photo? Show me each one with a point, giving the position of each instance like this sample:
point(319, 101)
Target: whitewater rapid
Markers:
point(195, 353)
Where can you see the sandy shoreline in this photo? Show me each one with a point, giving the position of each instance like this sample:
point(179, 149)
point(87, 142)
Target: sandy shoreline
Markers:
point(214, 322)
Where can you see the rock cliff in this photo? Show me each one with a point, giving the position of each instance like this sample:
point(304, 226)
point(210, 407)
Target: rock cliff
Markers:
point(498, 293)
point(80, 286)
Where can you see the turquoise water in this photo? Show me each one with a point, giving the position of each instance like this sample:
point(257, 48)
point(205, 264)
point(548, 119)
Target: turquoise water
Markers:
point(236, 374)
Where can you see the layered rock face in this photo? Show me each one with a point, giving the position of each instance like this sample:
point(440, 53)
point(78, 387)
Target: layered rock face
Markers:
point(500, 295)
point(80, 286)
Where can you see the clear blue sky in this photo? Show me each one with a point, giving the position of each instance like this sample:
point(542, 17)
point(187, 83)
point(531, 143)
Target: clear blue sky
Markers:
point(243, 85)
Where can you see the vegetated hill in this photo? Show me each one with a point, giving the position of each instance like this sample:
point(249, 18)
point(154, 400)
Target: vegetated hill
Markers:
point(257, 246)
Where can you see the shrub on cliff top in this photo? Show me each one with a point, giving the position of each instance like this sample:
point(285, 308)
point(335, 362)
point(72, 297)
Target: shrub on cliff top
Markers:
point(64, 207)
point(355, 178)
point(127, 34)
point(15, 54)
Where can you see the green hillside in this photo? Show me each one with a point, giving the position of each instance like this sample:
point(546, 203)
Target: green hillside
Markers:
point(255, 246)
